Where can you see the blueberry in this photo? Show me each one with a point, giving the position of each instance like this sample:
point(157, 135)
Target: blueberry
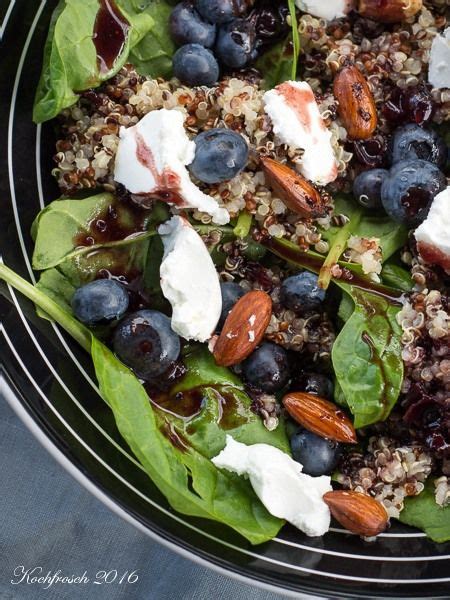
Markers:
point(412, 142)
point(220, 154)
point(220, 11)
point(145, 342)
point(315, 383)
point(409, 189)
point(195, 65)
point(267, 368)
point(231, 292)
point(318, 455)
point(100, 302)
point(367, 188)
point(301, 293)
point(188, 27)
point(236, 43)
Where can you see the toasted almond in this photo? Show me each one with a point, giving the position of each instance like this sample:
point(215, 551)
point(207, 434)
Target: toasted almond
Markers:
point(356, 105)
point(244, 328)
point(359, 513)
point(320, 416)
point(393, 11)
point(297, 193)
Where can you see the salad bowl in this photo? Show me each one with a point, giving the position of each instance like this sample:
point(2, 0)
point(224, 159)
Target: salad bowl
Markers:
point(51, 384)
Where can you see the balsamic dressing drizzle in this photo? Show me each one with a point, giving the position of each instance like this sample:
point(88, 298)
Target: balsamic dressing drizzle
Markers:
point(110, 34)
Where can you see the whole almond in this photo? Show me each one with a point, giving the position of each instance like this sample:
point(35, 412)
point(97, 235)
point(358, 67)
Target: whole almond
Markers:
point(243, 328)
point(357, 512)
point(297, 193)
point(356, 105)
point(391, 11)
point(320, 416)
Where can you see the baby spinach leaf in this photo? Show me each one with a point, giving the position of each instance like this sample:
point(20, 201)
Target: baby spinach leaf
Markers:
point(276, 65)
point(422, 512)
point(397, 277)
point(367, 352)
point(203, 370)
point(178, 463)
point(58, 226)
point(367, 358)
point(56, 286)
point(174, 452)
point(152, 56)
point(70, 58)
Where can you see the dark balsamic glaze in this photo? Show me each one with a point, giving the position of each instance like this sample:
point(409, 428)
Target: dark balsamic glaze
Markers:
point(184, 405)
point(112, 226)
point(188, 404)
point(232, 413)
point(176, 438)
point(110, 34)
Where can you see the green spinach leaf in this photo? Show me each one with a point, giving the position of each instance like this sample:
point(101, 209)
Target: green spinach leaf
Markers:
point(397, 277)
point(367, 352)
point(276, 64)
point(70, 58)
point(56, 286)
point(58, 225)
point(367, 358)
point(152, 56)
point(174, 452)
point(422, 512)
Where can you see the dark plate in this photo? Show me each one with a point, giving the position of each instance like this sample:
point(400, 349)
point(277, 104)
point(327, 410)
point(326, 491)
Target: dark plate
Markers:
point(54, 391)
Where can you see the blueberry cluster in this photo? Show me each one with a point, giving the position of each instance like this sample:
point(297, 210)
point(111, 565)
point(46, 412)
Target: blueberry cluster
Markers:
point(406, 191)
point(143, 340)
point(222, 34)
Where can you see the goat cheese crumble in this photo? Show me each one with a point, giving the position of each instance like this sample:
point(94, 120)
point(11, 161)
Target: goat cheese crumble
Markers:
point(325, 9)
point(439, 69)
point(297, 122)
point(189, 281)
point(279, 483)
point(151, 161)
point(432, 236)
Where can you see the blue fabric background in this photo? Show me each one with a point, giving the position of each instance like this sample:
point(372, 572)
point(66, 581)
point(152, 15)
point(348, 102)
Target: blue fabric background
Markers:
point(47, 519)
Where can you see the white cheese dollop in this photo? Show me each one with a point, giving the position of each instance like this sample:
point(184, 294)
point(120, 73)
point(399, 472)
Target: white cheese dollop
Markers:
point(189, 281)
point(151, 160)
point(433, 235)
point(439, 68)
point(279, 483)
point(325, 9)
point(297, 122)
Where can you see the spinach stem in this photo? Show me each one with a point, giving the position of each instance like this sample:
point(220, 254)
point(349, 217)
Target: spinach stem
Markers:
point(77, 330)
point(333, 256)
point(244, 222)
point(295, 38)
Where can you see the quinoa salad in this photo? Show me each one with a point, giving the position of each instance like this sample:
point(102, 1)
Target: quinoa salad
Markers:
point(252, 241)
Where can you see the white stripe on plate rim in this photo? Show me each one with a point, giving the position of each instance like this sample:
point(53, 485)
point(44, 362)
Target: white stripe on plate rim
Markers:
point(220, 541)
point(6, 18)
point(22, 243)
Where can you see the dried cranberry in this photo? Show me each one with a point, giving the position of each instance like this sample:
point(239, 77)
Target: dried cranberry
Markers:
point(393, 108)
point(371, 152)
point(259, 274)
point(270, 21)
point(419, 104)
point(415, 105)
